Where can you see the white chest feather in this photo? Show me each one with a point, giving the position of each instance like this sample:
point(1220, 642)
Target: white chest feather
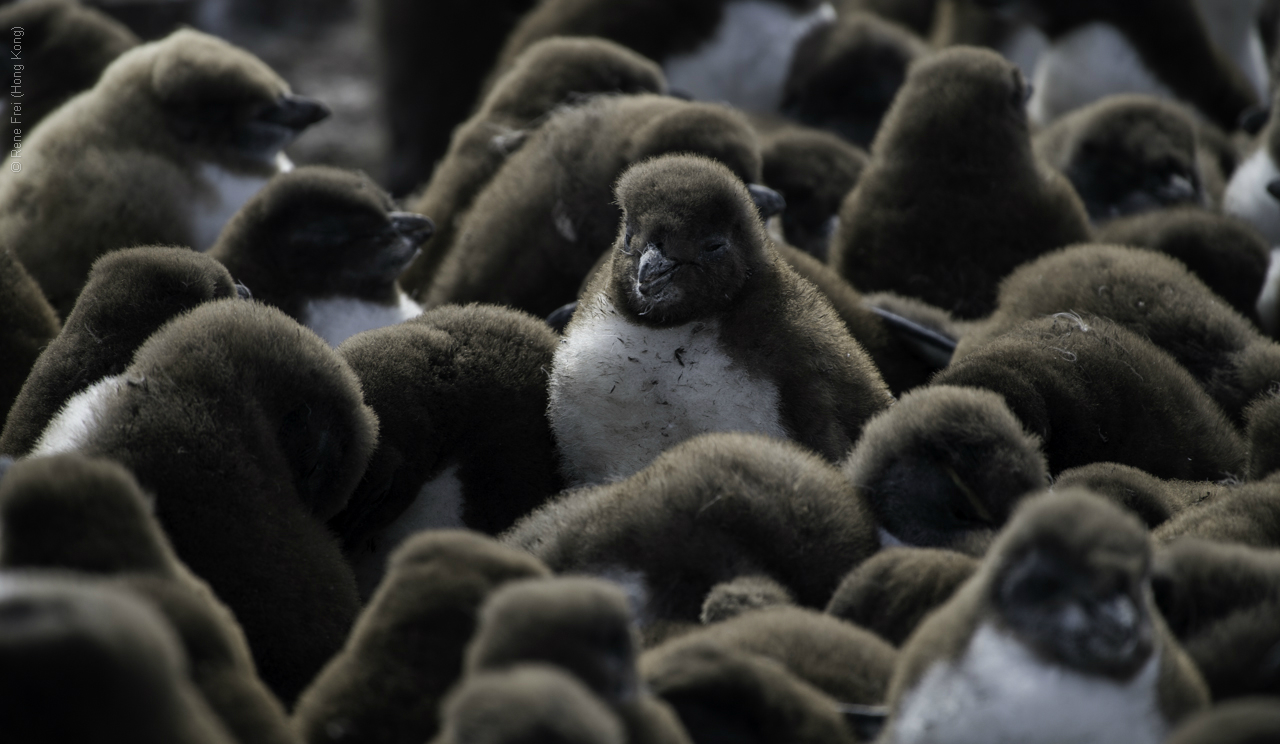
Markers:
point(1269, 299)
point(1233, 27)
point(622, 393)
point(1247, 196)
point(1094, 61)
point(221, 195)
point(73, 425)
point(745, 63)
point(335, 319)
point(998, 692)
point(438, 506)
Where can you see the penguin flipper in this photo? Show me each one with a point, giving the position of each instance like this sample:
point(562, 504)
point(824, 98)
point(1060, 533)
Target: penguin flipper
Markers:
point(932, 346)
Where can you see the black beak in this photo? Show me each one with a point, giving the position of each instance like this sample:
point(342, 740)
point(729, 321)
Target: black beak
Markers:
point(415, 227)
point(1254, 118)
point(243, 292)
point(768, 201)
point(654, 272)
point(294, 112)
point(1273, 188)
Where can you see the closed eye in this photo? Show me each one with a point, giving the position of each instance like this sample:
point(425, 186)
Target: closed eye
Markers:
point(713, 247)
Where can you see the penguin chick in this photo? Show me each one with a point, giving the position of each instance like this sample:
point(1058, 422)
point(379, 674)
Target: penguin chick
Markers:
point(696, 325)
point(1263, 432)
point(583, 626)
point(30, 324)
point(1249, 721)
point(325, 246)
point(1126, 155)
point(129, 294)
point(849, 664)
point(923, 220)
point(895, 589)
point(406, 650)
point(1246, 515)
point(533, 233)
point(1151, 499)
point(65, 47)
point(463, 438)
point(1096, 392)
point(729, 599)
point(85, 663)
point(762, 506)
point(813, 171)
point(550, 73)
point(1223, 604)
point(251, 432)
point(1055, 638)
point(89, 515)
point(845, 74)
point(175, 137)
point(528, 703)
point(944, 468)
point(1224, 252)
point(722, 694)
point(1153, 296)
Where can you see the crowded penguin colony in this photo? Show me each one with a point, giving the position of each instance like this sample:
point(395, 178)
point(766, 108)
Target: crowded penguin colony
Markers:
point(697, 372)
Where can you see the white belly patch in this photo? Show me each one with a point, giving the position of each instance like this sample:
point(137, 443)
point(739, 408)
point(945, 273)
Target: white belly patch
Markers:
point(999, 692)
point(745, 63)
point(73, 425)
point(222, 195)
point(621, 393)
point(1094, 61)
point(335, 319)
point(1247, 196)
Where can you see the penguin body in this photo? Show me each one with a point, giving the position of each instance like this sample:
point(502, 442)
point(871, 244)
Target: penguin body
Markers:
point(741, 595)
point(1096, 392)
point(551, 73)
point(1251, 721)
point(921, 221)
point(1248, 195)
point(406, 650)
point(128, 296)
point(173, 139)
point(1262, 419)
point(895, 589)
point(1245, 515)
point(1234, 28)
point(764, 507)
point(325, 246)
point(30, 325)
point(1153, 500)
point(1054, 638)
point(251, 432)
point(461, 398)
point(696, 325)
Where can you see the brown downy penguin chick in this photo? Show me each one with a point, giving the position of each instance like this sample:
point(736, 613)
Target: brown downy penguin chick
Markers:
point(697, 325)
point(463, 438)
point(325, 246)
point(895, 589)
point(251, 433)
point(406, 650)
point(944, 468)
point(551, 73)
point(1223, 604)
point(80, 662)
point(813, 171)
point(726, 695)
point(526, 704)
point(89, 515)
point(64, 47)
point(1055, 638)
point(1094, 391)
point(175, 137)
point(1153, 296)
point(954, 197)
point(722, 506)
point(1151, 499)
point(1223, 251)
point(129, 294)
point(844, 75)
point(583, 626)
point(1125, 155)
point(1247, 515)
point(1249, 721)
point(30, 324)
point(1263, 432)
point(534, 232)
point(729, 599)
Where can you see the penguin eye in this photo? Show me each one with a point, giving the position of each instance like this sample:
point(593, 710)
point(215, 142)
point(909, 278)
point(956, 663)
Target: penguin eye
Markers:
point(712, 247)
point(626, 241)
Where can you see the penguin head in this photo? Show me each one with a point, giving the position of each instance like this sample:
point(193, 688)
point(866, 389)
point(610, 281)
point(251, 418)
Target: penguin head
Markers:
point(324, 231)
point(1071, 579)
point(707, 129)
point(690, 239)
point(529, 703)
point(945, 466)
point(579, 624)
